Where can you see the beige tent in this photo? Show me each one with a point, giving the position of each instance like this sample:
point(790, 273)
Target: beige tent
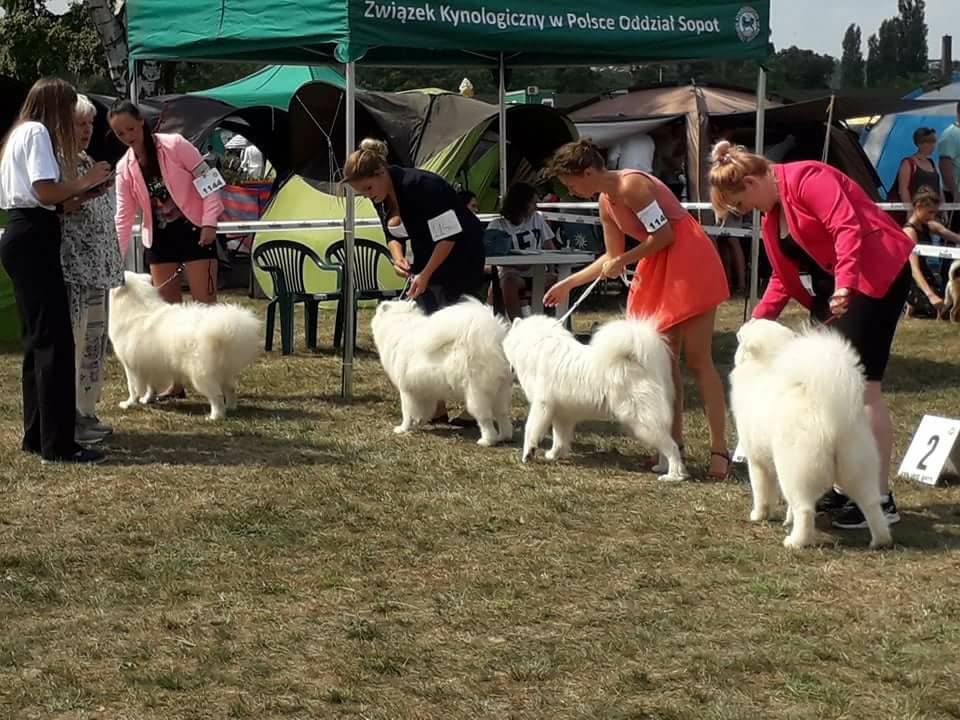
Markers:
point(695, 113)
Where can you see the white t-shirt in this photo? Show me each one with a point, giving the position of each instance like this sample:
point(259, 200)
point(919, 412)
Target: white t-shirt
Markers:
point(252, 161)
point(634, 153)
point(531, 234)
point(27, 158)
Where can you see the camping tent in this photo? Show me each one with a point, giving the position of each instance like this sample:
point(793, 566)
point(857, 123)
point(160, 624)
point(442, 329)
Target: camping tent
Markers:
point(496, 33)
point(273, 85)
point(13, 92)
point(891, 139)
point(447, 133)
point(610, 118)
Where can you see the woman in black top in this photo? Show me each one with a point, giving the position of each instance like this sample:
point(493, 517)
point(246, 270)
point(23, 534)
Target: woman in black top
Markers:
point(918, 170)
point(925, 291)
point(424, 209)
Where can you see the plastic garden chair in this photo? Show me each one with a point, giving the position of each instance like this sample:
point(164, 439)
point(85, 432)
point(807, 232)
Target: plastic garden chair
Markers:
point(368, 258)
point(284, 261)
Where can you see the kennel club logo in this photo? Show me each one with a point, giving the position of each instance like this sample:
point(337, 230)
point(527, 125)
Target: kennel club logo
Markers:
point(747, 24)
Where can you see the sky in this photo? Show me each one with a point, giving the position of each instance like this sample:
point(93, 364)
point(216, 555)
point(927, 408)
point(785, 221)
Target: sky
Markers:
point(796, 23)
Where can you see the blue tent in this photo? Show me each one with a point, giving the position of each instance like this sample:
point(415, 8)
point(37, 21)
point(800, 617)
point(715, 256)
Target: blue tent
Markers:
point(891, 140)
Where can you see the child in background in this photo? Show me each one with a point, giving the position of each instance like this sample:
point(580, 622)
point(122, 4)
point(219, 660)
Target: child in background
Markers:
point(528, 230)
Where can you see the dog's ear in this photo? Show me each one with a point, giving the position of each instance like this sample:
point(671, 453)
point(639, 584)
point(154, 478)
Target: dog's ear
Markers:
point(515, 321)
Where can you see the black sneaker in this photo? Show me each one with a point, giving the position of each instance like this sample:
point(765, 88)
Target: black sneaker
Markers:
point(850, 518)
point(832, 502)
point(83, 456)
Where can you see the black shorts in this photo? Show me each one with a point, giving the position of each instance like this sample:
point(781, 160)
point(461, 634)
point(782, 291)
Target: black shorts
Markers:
point(438, 297)
point(178, 242)
point(870, 324)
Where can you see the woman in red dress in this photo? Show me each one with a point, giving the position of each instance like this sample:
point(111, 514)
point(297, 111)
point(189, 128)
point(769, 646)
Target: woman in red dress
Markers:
point(679, 278)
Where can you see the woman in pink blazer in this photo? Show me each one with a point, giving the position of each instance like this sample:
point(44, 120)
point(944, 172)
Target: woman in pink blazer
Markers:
point(179, 226)
point(837, 254)
point(156, 177)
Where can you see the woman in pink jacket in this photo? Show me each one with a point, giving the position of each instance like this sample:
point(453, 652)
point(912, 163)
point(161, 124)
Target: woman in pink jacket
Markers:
point(837, 254)
point(179, 226)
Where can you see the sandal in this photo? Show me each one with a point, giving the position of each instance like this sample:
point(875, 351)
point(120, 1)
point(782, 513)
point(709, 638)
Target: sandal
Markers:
point(719, 476)
point(181, 394)
point(651, 463)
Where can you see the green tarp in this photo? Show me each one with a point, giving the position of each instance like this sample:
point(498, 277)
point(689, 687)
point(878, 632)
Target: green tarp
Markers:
point(273, 85)
point(425, 32)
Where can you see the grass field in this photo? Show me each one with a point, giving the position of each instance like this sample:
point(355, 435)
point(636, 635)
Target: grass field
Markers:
point(300, 561)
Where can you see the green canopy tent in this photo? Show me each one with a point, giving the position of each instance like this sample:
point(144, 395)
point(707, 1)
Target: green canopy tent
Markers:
point(496, 33)
point(273, 85)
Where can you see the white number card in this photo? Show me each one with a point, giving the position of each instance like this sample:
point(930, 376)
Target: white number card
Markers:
point(930, 451)
point(209, 182)
point(444, 225)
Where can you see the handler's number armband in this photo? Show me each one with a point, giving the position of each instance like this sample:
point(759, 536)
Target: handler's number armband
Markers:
point(652, 217)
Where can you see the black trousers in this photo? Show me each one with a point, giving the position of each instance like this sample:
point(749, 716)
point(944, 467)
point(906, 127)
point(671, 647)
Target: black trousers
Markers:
point(30, 253)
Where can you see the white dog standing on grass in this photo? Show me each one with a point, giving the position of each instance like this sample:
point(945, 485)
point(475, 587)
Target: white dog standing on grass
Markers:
point(798, 403)
point(624, 373)
point(454, 354)
point(159, 344)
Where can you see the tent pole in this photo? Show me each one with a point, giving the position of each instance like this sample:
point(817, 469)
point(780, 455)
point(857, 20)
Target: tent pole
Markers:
point(136, 249)
point(826, 137)
point(758, 148)
point(503, 130)
point(349, 226)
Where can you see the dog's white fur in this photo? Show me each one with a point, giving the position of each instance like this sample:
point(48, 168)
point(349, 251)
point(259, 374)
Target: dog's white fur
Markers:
point(951, 300)
point(454, 354)
point(797, 399)
point(159, 344)
point(624, 373)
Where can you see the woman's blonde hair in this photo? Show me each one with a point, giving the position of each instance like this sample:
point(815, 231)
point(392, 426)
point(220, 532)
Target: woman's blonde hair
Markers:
point(926, 197)
point(84, 107)
point(51, 102)
point(730, 165)
point(575, 158)
point(366, 162)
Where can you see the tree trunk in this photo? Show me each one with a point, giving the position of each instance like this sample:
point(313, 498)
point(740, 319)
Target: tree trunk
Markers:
point(112, 30)
point(110, 19)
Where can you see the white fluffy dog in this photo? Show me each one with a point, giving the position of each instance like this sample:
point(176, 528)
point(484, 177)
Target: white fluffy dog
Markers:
point(159, 344)
point(798, 403)
point(624, 373)
point(951, 295)
point(454, 354)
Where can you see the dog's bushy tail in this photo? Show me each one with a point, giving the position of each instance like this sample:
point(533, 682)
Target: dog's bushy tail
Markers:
point(636, 357)
point(236, 336)
point(824, 365)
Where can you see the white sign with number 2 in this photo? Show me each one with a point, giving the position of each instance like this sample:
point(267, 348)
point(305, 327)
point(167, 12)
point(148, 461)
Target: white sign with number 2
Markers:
point(930, 450)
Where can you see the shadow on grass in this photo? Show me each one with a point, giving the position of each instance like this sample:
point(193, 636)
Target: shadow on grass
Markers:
point(152, 448)
point(932, 527)
point(198, 408)
point(920, 374)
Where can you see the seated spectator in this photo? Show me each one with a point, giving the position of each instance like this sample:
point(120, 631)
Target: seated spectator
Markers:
point(528, 230)
point(926, 292)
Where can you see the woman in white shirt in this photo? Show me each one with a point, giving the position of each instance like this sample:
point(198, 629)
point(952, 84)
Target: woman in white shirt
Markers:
point(38, 178)
point(528, 230)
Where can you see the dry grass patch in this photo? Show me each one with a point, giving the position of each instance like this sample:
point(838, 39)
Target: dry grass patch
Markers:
point(300, 561)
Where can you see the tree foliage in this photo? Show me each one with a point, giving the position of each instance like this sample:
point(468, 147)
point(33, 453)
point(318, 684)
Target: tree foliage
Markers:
point(852, 64)
point(34, 42)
